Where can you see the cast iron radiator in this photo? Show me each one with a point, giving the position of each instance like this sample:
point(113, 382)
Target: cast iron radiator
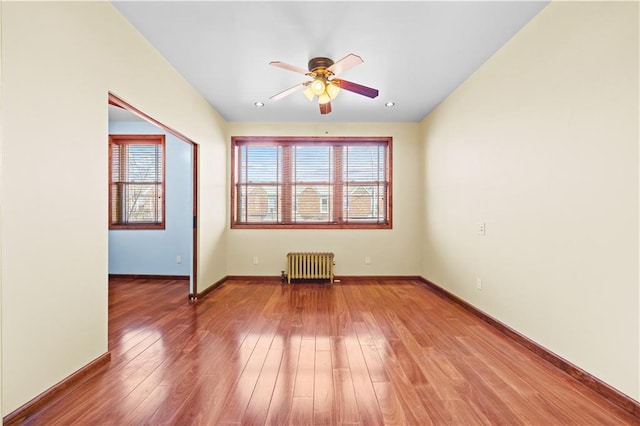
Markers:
point(313, 266)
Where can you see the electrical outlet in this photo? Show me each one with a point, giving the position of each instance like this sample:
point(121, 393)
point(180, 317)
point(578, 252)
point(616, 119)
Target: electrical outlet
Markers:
point(478, 284)
point(367, 260)
point(481, 229)
point(178, 259)
point(255, 260)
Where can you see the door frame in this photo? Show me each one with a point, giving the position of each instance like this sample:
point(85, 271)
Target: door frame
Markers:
point(119, 102)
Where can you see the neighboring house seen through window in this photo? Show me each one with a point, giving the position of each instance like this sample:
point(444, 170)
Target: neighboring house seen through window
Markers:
point(137, 183)
point(293, 182)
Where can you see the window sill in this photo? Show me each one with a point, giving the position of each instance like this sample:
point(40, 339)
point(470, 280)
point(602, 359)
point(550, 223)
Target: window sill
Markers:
point(137, 227)
point(311, 226)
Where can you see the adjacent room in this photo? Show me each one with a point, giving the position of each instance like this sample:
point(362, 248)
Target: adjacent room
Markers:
point(465, 173)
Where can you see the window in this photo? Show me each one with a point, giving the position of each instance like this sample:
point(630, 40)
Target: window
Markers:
point(311, 182)
point(136, 184)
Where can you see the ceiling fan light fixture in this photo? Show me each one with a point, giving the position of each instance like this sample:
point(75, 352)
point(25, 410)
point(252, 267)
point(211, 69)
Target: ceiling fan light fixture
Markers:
point(324, 98)
point(318, 86)
point(309, 93)
point(332, 90)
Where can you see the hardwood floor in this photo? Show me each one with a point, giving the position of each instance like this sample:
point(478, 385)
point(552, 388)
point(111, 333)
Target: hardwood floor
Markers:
point(365, 353)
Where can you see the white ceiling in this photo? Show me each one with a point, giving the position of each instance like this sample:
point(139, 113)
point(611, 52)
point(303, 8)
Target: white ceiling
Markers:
point(415, 53)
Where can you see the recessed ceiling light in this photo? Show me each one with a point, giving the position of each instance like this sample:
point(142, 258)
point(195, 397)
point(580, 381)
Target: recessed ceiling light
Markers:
point(390, 104)
point(259, 104)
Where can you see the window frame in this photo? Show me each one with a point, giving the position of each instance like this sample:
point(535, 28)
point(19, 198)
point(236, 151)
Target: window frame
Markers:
point(138, 139)
point(237, 141)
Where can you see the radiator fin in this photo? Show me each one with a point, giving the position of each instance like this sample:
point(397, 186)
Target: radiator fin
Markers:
point(307, 265)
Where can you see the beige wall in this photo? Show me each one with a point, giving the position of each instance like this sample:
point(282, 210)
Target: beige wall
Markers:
point(59, 61)
point(392, 252)
point(1, 205)
point(541, 144)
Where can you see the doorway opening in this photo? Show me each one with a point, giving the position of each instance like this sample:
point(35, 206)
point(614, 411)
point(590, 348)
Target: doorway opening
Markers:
point(121, 111)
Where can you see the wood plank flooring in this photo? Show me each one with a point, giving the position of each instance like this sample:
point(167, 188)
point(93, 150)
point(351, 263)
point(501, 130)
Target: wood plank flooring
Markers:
point(360, 353)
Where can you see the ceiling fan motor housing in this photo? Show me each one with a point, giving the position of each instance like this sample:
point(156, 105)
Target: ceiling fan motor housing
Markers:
point(319, 63)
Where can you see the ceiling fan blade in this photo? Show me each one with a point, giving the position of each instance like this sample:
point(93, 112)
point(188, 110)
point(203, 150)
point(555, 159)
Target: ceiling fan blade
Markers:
point(355, 87)
point(287, 92)
point(289, 67)
point(325, 108)
point(345, 64)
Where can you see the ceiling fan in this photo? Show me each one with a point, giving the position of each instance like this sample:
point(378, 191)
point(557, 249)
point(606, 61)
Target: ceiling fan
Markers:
point(324, 85)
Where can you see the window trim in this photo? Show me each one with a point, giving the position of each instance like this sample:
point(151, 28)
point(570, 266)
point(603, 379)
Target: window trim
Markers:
point(318, 140)
point(138, 139)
